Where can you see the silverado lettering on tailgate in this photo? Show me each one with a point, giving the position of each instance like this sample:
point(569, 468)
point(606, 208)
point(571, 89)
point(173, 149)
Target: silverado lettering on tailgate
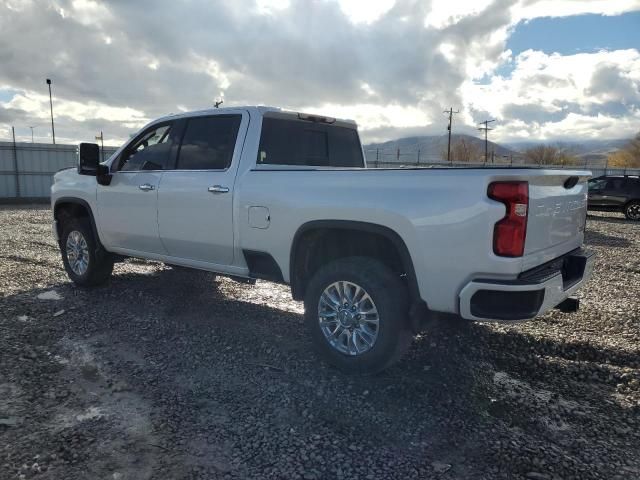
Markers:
point(552, 209)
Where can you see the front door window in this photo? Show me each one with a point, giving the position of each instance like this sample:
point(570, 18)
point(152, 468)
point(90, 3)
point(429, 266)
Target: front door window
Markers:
point(150, 152)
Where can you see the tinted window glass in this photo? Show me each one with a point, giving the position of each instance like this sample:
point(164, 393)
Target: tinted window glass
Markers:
point(345, 147)
point(292, 142)
point(150, 152)
point(314, 146)
point(208, 142)
point(614, 183)
point(597, 183)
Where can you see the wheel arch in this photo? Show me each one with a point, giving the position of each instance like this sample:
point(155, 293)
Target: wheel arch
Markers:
point(299, 278)
point(75, 208)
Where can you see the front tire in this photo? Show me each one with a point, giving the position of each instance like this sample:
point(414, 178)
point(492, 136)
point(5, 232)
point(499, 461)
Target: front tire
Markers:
point(356, 311)
point(83, 263)
point(632, 211)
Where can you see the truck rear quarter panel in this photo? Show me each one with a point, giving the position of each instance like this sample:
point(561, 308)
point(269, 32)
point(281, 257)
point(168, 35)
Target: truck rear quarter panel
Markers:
point(443, 216)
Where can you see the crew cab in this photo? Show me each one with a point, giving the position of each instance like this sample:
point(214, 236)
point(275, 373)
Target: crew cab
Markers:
point(262, 193)
point(616, 193)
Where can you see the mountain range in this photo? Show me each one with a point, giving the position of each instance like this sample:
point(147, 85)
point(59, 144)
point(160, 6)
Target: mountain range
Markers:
point(433, 148)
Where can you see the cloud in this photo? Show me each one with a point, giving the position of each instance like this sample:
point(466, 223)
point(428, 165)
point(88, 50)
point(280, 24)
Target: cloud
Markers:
point(529, 9)
point(445, 13)
point(372, 11)
point(612, 82)
point(391, 65)
point(598, 126)
point(555, 96)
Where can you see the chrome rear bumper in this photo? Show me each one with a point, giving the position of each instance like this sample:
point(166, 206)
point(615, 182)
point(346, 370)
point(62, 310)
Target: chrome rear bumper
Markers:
point(533, 293)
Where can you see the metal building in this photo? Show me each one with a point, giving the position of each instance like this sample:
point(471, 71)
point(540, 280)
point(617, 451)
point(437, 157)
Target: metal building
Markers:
point(27, 169)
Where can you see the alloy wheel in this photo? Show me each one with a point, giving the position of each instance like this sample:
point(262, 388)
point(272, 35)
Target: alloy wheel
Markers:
point(77, 252)
point(633, 211)
point(348, 318)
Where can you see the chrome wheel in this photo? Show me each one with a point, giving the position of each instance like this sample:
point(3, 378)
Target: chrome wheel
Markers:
point(348, 318)
point(77, 252)
point(633, 211)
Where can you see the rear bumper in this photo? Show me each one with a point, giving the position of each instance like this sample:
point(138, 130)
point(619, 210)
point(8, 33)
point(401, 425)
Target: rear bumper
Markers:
point(533, 293)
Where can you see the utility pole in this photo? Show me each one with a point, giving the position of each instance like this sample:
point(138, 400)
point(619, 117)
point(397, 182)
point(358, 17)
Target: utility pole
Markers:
point(53, 132)
point(101, 138)
point(450, 112)
point(32, 132)
point(486, 141)
point(15, 162)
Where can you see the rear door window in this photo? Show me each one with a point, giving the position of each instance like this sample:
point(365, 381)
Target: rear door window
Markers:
point(300, 143)
point(633, 185)
point(208, 142)
point(614, 184)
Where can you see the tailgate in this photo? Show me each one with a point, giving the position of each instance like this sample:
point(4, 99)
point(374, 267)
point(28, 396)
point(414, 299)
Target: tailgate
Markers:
point(557, 214)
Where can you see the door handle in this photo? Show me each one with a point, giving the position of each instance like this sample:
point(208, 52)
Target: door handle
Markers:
point(218, 189)
point(146, 187)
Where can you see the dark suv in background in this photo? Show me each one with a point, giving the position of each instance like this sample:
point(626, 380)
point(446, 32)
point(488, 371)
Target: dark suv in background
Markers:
point(616, 194)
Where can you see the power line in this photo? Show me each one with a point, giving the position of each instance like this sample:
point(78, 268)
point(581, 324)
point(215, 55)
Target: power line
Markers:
point(450, 112)
point(486, 141)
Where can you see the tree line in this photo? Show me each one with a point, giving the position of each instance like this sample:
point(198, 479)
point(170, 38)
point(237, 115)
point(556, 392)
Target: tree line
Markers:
point(628, 156)
point(463, 150)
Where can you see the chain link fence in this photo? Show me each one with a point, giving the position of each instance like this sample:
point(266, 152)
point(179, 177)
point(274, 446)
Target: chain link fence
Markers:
point(27, 169)
point(411, 158)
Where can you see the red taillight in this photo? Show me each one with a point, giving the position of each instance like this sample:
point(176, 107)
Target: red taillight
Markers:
point(510, 232)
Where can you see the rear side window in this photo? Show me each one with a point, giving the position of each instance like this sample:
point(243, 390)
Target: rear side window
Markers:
point(293, 142)
point(614, 183)
point(208, 142)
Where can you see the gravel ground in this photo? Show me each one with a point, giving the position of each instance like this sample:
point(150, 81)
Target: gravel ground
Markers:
point(167, 374)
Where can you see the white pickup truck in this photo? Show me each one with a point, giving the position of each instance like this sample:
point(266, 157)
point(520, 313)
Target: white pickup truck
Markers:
point(257, 192)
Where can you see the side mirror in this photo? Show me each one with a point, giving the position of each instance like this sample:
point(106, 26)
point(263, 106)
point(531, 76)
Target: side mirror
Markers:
point(88, 159)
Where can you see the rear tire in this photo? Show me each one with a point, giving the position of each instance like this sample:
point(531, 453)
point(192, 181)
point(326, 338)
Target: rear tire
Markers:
point(632, 211)
point(83, 263)
point(384, 292)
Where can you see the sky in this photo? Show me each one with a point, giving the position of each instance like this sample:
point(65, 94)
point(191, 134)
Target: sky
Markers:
point(545, 70)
